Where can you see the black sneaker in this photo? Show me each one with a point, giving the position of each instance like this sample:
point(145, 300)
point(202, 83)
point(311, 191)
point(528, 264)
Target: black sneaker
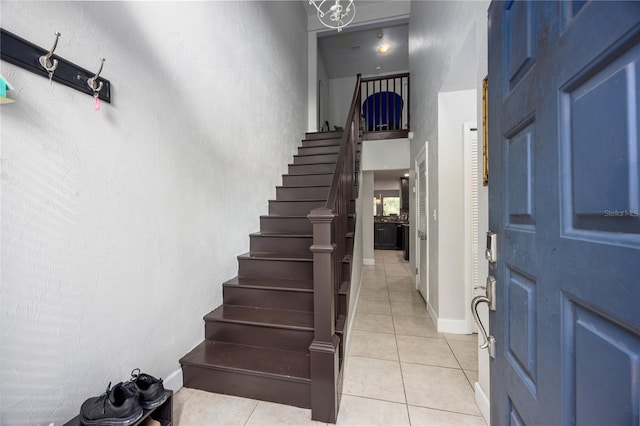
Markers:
point(150, 389)
point(118, 406)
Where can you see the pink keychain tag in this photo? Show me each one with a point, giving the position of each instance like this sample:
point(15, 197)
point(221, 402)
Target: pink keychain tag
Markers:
point(97, 102)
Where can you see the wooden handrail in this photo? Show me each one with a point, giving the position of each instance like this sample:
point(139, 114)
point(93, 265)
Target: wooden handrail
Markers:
point(385, 77)
point(333, 230)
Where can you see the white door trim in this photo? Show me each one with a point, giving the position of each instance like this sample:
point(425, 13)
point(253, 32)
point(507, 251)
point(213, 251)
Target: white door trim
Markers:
point(471, 181)
point(423, 156)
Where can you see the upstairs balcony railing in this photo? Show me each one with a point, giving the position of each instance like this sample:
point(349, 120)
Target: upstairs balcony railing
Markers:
point(385, 106)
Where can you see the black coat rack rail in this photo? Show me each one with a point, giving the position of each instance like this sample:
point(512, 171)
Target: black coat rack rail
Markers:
point(25, 54)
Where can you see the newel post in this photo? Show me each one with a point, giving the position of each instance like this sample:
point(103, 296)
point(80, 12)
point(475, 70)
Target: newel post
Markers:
point(324, 348)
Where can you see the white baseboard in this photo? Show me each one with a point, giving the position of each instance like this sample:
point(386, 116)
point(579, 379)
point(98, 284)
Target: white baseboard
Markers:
point(368, 262)
point(352, 316)
point(173, 381)
point(448, 325)
point(483, 402)
point(432, 313)
point(453, 326)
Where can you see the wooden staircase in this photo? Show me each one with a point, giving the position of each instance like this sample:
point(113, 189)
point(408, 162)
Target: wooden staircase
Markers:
point(257, 344)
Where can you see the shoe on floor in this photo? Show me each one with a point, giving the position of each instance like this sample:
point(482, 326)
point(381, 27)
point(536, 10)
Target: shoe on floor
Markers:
point(150, 389)
point(118, 406)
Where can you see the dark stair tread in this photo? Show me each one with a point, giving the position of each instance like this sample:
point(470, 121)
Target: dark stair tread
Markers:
point(285, 216)
point(309, 174)
point(268, 283)
point(303, 186)
point(274, 318)
point(280, 234)
point(297, 257)
point(314, 164)
point(250, 360)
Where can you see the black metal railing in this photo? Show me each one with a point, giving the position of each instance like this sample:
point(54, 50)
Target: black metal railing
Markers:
point(385, 106)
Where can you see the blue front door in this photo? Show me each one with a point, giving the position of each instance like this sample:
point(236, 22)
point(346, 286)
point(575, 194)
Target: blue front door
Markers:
point(564, 185)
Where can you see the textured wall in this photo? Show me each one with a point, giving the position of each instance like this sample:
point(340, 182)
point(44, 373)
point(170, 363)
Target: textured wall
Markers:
point(119, 226)
point(445, 36)
point(438, 31)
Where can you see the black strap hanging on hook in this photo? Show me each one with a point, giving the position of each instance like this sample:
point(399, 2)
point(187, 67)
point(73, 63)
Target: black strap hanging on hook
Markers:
point(25, 54)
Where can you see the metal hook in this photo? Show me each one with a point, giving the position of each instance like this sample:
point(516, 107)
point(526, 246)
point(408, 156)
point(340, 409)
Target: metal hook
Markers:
point(45, 60)
point(92, 81)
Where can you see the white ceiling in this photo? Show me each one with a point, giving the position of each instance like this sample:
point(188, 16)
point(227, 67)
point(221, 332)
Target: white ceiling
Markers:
point(354, 50)
point(389, 174)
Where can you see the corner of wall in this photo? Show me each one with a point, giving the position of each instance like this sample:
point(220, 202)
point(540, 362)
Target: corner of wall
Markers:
point(174, 381)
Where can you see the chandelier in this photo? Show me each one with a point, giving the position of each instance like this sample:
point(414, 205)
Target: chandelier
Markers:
point(333, 14)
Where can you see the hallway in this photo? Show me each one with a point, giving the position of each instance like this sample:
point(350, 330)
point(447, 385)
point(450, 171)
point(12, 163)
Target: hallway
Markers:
point(400, 370)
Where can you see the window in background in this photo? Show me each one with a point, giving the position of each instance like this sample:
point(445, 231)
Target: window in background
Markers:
point(390, 205)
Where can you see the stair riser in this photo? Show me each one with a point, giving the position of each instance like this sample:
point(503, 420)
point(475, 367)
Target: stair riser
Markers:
point(263, 388)
point(265, 298)
point(252, 335)
point(308, 193)
point(286, 225)
point(294, 208)
point(312, 150)
point(315, 159)
point(320, 142)
point(298, 180)
point(342, 304)
point(303, 169)
point(275, 269)
point(280, 245)
point(346, 269)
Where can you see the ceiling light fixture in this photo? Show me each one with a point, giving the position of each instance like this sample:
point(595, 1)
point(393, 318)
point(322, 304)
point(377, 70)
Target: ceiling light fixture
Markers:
point(383, 48)
point(332, 13)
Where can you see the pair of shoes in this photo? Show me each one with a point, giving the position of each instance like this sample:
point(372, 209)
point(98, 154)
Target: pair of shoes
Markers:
point(123, 404)
point(149, 388)
point(118, 406)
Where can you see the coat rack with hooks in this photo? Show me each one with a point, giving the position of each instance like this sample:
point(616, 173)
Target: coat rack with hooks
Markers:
point(27, 55)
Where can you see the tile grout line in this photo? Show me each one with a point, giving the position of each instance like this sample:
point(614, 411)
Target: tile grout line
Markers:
point(251, 414)
point(395, 338)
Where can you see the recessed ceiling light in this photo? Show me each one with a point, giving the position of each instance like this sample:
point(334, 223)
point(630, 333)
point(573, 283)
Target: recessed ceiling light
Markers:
point(406, 175)
point(383, 48)
point(378, 68)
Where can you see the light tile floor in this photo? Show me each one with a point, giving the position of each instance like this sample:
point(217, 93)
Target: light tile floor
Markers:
point(399, 369)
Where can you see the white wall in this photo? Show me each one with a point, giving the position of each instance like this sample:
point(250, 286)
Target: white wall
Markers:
point(119, 226)
point(454, 109)
point(366, 218)
point(323, 94)
point(340, 97)
point(440, 34)
point(387, 154)
point(356, 260)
